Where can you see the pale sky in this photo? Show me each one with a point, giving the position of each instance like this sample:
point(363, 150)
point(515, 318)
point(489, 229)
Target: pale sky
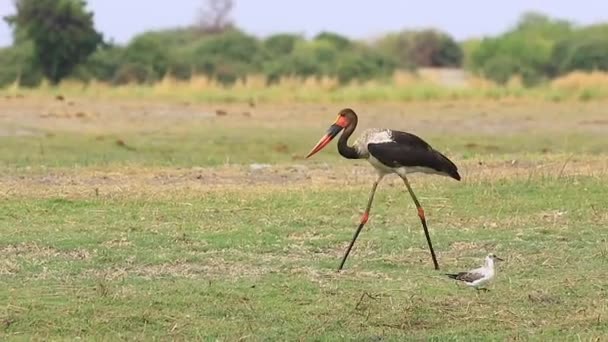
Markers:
point(122, 19)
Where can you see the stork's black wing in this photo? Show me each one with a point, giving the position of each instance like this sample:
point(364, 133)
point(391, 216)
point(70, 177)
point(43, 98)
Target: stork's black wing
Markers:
point(409, 150)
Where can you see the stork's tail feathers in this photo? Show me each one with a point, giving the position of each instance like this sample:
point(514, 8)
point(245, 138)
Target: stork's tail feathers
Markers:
point(454, 174)
point(451, 275)
point(448, 167)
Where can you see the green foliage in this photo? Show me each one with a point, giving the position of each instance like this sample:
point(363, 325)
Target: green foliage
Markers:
point(526, 50)
point(17, 64)
point(330, 55)
point(519, 54)
point(538, 24)
point(56, 38)
point(591, 54)
point(281, 44)
point(501, 68)
point(316, 57)
point(129, 73)
point(174, 38)
point(426, 48)
point(365, 65)
point(448, 53)
point(586, 49)
point(146, 55)
point(227, 56)
point(62, 32)
point(164, 52)
point(338, 41)
point(101, 65)
point(469, 47)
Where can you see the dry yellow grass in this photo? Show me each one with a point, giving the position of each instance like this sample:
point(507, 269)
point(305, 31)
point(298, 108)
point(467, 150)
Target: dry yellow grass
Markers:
point(424, 85)
point(581, 80)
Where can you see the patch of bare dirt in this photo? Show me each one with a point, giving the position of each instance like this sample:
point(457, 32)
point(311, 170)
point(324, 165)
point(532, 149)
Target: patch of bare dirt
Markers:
point(483, 117)
point(121, 242)
point(215, 269)
point(307, 236)
point(11, 255)
point(542, 297)
point(90, 116)
point(165, 182)
point(18, 132)
point(324, 277)
point(460, 246)
point(478, 147)
point(9, 267)
point(37, 252)
point(210, 269)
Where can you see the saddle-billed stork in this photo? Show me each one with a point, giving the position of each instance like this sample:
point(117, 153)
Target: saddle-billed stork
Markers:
point(388, 151)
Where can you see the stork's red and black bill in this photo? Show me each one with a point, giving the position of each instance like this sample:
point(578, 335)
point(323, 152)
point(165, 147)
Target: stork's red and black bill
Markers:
point(332, 131)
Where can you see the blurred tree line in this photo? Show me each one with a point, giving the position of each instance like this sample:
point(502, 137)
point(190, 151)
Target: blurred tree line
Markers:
point(65, 44)
point(539, 48)
point(56, 39)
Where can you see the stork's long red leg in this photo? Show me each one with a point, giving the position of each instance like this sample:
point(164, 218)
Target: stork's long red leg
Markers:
point(422, 219)
point(364, 219)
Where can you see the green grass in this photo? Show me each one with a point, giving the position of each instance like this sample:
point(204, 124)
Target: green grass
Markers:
point(170, 236)
point(203, 147)
point(215, 145)
point(123, 268)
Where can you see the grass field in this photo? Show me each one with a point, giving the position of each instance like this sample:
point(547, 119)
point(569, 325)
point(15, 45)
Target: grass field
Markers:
point(147, 221)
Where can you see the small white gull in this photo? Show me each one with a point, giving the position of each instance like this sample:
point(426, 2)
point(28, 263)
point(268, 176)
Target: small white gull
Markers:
point(478, 276)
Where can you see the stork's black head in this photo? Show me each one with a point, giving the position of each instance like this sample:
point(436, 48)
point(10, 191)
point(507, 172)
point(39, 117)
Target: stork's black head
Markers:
point(349, 115)
point(346, 118)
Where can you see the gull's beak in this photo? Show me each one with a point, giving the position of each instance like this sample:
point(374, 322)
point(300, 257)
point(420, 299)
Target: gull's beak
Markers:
point(499, 259)
point(331, 133)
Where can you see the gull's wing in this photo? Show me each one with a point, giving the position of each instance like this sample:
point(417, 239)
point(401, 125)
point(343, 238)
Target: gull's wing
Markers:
point(468, 277)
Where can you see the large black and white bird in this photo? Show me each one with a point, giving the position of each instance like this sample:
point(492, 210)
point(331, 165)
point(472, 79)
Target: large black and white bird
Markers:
point(388, 151)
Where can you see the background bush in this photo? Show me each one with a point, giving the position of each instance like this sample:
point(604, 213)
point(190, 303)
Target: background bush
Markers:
point(537, 48)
